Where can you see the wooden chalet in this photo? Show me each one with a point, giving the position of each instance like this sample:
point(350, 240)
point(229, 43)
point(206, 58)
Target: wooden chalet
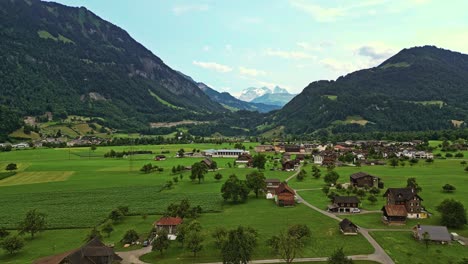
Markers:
point(271, 186)
point(292, 148)
point(284, 195)
point(208, 162)
point(394, 214)
point(362, 179)
point(348, 228)
point(289, 165)
point(264, 148)
point(93, 252)
point(344, 204)
point(408, 198)
point(168, 223)
point(245, 159)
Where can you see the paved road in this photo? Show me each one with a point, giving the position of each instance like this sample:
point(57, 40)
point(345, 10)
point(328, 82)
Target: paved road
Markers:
point(133, 257)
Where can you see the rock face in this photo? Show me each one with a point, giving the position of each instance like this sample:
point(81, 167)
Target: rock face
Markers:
point(277, 96)
point(51, 55)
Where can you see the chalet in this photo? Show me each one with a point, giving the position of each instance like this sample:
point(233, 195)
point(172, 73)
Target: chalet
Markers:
point(245, 160)
point(325, 158)
point(264, 148)
point(394, 214)
point(93, 252)
point(208, 162)
point(344, 204)
point(160, 157)
point(292, 148)
point(271, 186)
point(290, 165)
point(408, 198)
point(362, 179)
point(284, 195)
point(438, 234)
point(168, 223)
point(348, 228)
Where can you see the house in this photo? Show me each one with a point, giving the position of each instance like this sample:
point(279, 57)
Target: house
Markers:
point(325, 158)
point(362, 179)
point(408, 198)
point(168, 223)
point(284, 195)
point(292, 148)
point(223, 153)
point(160, 157)
point(21, 145)
point(438, 234)
point(271, 186)
point(245, 160)
point(347, 227)
point(208, 162)
point(344, 204)
point(264, 148)
point(93, 252)
point(394, 214)
point(290, 165)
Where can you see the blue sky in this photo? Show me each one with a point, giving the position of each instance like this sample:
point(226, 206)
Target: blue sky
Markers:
point(232, 45)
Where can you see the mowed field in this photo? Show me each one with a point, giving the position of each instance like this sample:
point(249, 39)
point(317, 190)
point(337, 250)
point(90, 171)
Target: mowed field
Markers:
point(77, 188)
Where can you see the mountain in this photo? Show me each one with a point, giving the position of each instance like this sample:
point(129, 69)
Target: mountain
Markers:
point(421, 88)
point(278, 99)
point(277, 96)
point(251, 93)
point(230, 102)
point(69, 61)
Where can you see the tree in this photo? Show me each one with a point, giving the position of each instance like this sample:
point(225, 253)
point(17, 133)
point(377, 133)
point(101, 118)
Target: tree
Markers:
point(466, 168)
point(393, 162)
point(374, 191)
point(219, 235)
point(256, 182)
point(11, 167)
point(185, 228)
point(180, 153)
point(429, 161)
point(194, 241)
point(361, 193)
point(463, 162)
point(372, 199)
point(235, 189)
point(316, 172)
point(331, 177)
point(239, 245)
point(3, 232)
point(130, 236)
point(411, 182)
point(300, 231)
point(426, 238)
point(258, 161)
point(338, 257)
point(33, 223)
point(107, 228)
point(325, 189)
point(301, 175)
point(123, 209)
point(413, 161)
point(161, 242)
point(116, 215)
point(453, 213)
point(198, 171)
point(448, 188)
point(286, 246)
point(147, 168)
point(12, 244)
point(218, 176)
point(93, 148)
point(93, 234)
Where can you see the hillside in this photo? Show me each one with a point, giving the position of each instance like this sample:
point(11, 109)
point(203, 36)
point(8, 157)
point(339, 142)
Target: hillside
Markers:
point(68, 61)
point(422, 88)
point(278, 99)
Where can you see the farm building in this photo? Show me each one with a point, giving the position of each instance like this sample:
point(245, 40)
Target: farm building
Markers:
point(244, 160)
point(168, 223)
point(264, 148)
point(271, 186)
point(344, 204)
point(94, 252)
point(223, 153)
point(347, 227)
point(284, 195)
point(394, 214)
point(362, 179)
point(439, 234)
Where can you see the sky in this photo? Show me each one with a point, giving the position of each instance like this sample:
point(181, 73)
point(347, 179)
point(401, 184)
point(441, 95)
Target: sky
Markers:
point(232, 45)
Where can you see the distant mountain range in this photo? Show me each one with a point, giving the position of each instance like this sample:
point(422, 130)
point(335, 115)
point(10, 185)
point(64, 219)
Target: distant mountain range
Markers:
point(421, 88)
point(277, 96)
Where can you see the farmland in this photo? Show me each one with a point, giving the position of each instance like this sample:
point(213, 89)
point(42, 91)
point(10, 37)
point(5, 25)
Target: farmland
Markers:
point(78, 187)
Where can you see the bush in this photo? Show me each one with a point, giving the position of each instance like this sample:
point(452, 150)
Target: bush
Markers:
point(130, 236)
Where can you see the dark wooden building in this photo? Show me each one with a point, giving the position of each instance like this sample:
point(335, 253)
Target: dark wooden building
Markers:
point(344, 204)
point(347, 227)
point(271, 186)
point(408, 198)
point(245, 159)
point(394, 214)
point(284, 195)
point(362, 179)
point(93, 252)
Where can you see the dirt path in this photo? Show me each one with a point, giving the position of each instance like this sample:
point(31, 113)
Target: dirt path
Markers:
point(133, 257)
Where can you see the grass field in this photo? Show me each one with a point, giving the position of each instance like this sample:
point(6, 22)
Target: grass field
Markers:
point(77, 188)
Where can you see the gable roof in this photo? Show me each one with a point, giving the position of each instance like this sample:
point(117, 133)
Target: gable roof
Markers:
point(402, 194)
point(395, 210)
point(436, 233)
point(360, 174)
point(345, 199)
point(346, 224)
point(94, 248)
point(169, 221)
point(273, 181)
point(283, 187)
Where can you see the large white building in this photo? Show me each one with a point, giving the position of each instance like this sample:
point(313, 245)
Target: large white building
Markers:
point(224, 153)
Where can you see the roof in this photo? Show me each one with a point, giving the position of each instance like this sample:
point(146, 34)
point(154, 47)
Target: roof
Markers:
point(346, 199)
point(346, 224)
point(359, 175)
point(395, 210)
point(283, 187)
point(436, 233)
point(272, 181)
point(402, 194)
point(169, 221)
point(94, 248)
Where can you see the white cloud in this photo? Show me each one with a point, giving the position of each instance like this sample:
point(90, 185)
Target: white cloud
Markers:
point(182, 9)
point(228, 47)
point(289, 54)
point(213, 66)
point(321, 14)
point(250, 72)
point(342, 67)
point(376, 51)
point(206, 48)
